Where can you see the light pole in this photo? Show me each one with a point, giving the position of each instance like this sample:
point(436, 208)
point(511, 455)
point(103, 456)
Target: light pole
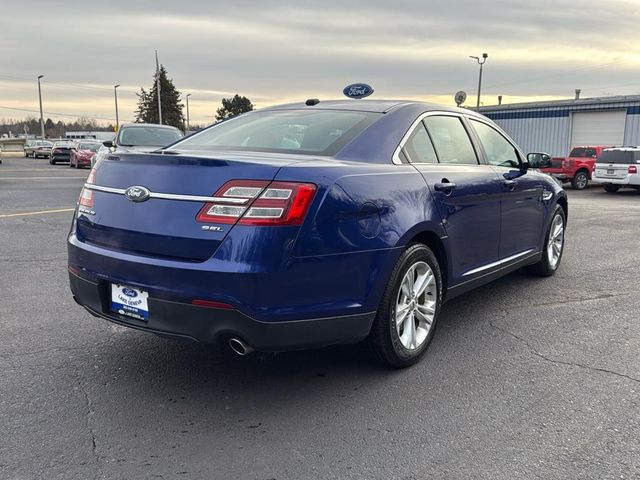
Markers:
point(41, 116)
point(188, 129)
point(115, 95)
point(481, 63)
point(158, 89)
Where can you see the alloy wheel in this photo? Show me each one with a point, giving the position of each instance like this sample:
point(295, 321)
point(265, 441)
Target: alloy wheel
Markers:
point(556, 241)
point(416, 305)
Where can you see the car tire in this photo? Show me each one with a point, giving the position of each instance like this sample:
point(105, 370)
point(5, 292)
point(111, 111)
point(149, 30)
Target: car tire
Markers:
point(580, 180)
point(389, 337)
point(51, 162)
point(552, 256)
point(609, 188)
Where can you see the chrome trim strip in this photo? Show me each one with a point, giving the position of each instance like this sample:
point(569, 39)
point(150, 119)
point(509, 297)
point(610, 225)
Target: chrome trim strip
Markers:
point(498, 263)
point(173, 196)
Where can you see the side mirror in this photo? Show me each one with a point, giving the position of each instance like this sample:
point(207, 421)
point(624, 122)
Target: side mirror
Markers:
point(108, 143)
point(539, 160)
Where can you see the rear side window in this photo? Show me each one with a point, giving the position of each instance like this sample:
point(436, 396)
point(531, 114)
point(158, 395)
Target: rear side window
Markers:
point(451, 141)
point(419, 148)
point(620, 156)
point(498, 149)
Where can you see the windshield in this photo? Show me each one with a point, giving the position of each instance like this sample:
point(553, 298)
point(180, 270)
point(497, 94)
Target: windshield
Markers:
point(583, 152)
point(321, 132)
point(64, 144)
point(620, 156)
point(89, 146)
point(147, 136)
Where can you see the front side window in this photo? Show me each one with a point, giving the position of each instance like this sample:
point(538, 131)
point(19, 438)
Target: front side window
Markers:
point(498, 149)
point(321, 132)
point(419, 148)
point(451, 141)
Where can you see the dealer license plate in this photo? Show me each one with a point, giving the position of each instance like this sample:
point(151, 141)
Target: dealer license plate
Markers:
point(130, 301)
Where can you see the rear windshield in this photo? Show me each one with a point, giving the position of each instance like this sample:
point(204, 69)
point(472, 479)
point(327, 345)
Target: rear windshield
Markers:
point(147, 136)
point(583, 152)
point(620, 156)
point(89, 146)
point(313, 132)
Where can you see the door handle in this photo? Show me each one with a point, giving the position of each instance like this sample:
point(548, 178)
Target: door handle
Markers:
point(444, 187)
point(510, 184)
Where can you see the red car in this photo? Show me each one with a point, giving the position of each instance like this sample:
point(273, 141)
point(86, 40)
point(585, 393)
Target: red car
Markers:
point(577, 168)
point(82, 153)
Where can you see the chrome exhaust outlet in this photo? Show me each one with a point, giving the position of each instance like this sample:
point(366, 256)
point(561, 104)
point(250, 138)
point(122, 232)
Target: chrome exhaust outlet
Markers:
point(238, 346)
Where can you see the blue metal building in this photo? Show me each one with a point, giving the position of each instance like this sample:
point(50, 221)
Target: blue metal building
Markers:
point(556, 126)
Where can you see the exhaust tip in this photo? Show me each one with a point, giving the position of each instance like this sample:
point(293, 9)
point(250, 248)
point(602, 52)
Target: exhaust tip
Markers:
point(238, 346)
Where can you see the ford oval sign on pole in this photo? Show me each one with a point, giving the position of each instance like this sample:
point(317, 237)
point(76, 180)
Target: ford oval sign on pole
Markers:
point(358, 90)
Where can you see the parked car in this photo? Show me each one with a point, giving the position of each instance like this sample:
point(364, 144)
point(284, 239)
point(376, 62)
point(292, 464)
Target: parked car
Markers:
point(315, 224)
point(618, 167)
point(61, 151)
point(82, 153)
point(577, 168)
point(37, 148)
point(139, 137)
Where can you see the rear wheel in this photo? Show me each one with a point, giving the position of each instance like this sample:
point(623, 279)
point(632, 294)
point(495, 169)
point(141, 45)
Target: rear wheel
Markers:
point(580, 180)
point(553, 246)
point(609, 188)
point(406, 319)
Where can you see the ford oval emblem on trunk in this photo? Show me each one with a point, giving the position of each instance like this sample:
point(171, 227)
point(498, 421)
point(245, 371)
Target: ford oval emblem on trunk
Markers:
point(137, 194)
point(358, 90)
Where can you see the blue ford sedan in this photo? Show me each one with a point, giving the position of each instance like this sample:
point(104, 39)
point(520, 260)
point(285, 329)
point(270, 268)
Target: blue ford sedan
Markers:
point(313, 224)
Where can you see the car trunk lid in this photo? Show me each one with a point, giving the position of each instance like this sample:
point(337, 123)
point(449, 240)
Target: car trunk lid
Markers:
point(165, 225)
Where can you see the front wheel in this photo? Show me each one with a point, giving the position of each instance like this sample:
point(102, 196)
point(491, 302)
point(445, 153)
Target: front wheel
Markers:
point(609, 188)
point(553, 246)
point(580, 181)
point(406, 319)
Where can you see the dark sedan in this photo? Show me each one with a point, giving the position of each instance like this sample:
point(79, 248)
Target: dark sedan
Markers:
point(61, 151)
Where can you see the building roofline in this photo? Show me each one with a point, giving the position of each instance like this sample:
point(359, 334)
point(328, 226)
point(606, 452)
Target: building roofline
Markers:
point(561, 103)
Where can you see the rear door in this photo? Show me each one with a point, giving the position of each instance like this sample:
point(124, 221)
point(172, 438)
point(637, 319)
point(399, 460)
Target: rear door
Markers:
point(522, 210)
point(467, 194)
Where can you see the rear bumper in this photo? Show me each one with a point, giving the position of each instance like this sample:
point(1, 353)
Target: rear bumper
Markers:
point(630, 179)
point(203, 324)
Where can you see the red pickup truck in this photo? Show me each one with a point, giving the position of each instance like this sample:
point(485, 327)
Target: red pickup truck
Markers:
point(577, 168)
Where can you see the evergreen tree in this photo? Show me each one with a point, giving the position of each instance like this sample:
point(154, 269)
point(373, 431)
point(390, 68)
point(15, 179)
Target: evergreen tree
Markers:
point(147, 111)
point(233, 106)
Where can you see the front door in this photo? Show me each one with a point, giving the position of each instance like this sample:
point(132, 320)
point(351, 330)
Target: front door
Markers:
point(522, 209)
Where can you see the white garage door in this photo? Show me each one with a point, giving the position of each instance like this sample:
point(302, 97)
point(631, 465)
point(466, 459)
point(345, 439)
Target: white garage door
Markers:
point(598, 128)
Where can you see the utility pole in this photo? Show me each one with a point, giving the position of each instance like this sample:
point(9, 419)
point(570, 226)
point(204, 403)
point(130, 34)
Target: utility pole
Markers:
point(481, 63)
point(41, 116)
point(158, 89)
point(115, 94)
point(188, 129)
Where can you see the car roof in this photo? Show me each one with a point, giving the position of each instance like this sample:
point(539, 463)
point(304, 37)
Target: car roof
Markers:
point(156, 125)
point(379, 106)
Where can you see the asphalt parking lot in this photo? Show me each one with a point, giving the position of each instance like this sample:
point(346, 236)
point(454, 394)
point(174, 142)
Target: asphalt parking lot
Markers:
point(526, 377)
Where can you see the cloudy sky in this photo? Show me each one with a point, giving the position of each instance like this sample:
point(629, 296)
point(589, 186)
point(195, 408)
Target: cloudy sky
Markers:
point(277, 51)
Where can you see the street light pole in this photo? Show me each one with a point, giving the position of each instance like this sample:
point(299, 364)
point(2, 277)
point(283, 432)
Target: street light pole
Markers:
point(158, 89)
point(115, 94)
point(481, 63)
point(41, 116)
point(188, 128)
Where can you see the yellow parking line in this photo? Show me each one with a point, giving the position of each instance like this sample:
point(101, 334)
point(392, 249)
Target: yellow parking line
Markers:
point(42, 212)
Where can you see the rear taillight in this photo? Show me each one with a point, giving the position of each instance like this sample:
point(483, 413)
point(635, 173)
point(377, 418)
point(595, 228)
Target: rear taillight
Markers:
point(632, 169)
point(276, 203)
point(86, 195)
